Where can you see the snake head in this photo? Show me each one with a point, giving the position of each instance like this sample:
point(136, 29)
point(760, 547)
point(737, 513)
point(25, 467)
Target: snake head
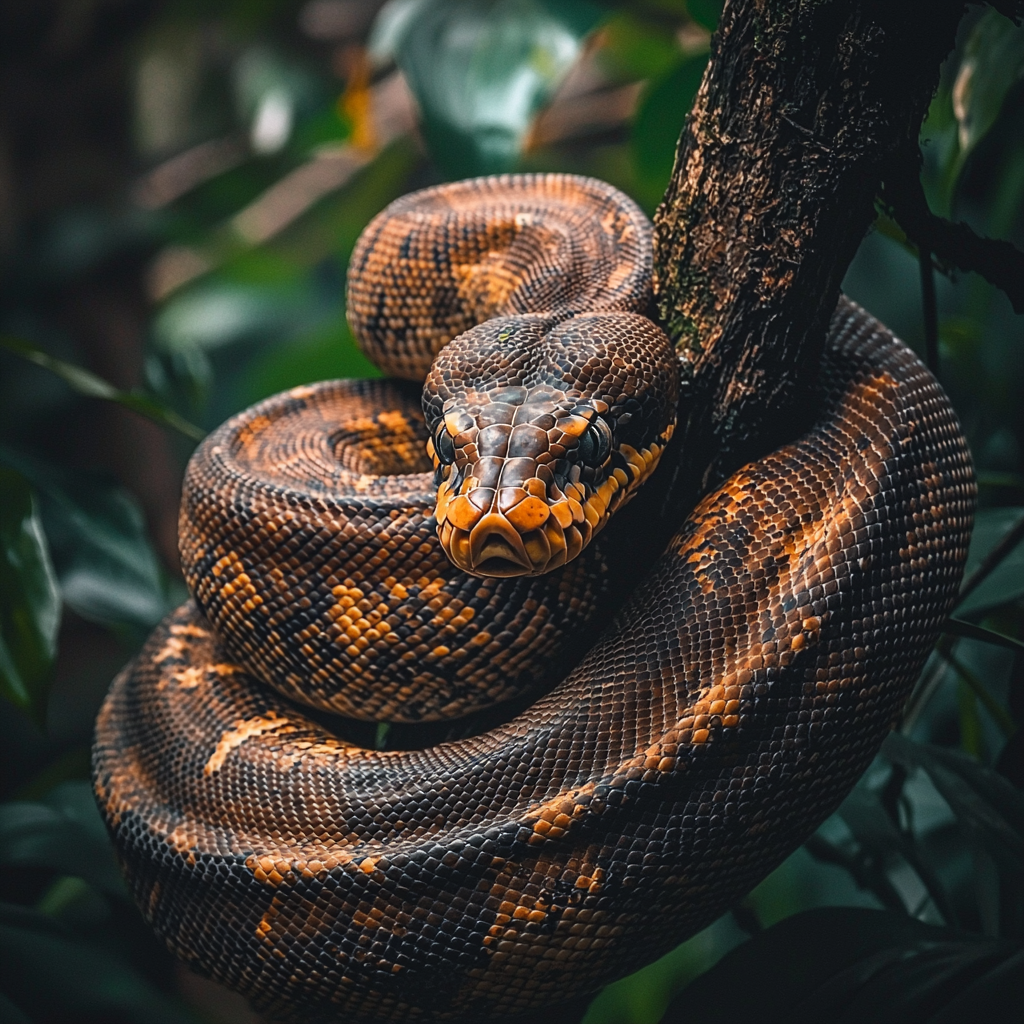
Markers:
point(540, 431)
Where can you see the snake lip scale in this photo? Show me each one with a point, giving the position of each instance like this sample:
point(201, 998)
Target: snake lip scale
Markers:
point(739, 692)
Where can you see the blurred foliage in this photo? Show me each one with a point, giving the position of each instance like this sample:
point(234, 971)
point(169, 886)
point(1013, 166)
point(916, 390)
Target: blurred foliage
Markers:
point(256, 156)
point(481, 70)
point(30, 605)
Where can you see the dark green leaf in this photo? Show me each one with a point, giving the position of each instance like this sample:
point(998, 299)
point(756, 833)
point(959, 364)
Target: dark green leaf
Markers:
point(981, 693)
point(659, 121)
point(864, 870)
point(843, 965)
point(105, 564)
point(29, 599)
point(991, 997)
point(88, 384)
point(51, 976)
point(73, 764)
point(10, 1013)
point(1006, 582)
point(983, 801)
point(705, 12)
point(482, 69)
point(1010, 763)
point(75, 903)
point(993, 61)
point(65, 834)
point(956, 627)
point(878, 835)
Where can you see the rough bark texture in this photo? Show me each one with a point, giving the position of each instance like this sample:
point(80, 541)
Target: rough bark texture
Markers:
point(805, 107)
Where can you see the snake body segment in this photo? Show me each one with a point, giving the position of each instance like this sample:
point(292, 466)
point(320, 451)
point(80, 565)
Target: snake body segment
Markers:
point(737, 696)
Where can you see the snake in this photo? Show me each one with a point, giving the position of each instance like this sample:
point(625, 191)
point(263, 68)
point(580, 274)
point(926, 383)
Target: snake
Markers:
point(364, 552)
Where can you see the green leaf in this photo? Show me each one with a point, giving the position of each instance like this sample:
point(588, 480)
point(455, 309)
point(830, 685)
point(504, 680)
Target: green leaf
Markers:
point(65, 834)
point(106, 567)
point(326, 353)
point(482, 69)
point(993, 61)
point(705, 12)
point(88, 384)
point(985, 803)
point(29, 599)
point(980, 693)
point(1006, 582)
point(956, 627)
point(75, 763)
point(219, 312)
point(659, 120)
point(634, 48)
point(845, 965)
point(51, 976)
point(878, 835)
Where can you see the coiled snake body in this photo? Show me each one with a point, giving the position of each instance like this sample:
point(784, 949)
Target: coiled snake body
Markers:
point(729, 707)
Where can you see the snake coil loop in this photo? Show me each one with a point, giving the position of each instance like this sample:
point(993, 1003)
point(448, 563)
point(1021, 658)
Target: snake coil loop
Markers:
point(740, 691)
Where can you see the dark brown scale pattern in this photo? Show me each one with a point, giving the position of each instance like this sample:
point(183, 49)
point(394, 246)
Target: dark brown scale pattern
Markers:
point(732, 704)
point(327, 581)
point(442, 260)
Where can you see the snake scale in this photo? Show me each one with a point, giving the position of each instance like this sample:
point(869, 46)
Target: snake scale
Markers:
point(353, 551)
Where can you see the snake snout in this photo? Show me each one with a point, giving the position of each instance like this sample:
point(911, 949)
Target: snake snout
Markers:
point(502, 531)
point(541, 431)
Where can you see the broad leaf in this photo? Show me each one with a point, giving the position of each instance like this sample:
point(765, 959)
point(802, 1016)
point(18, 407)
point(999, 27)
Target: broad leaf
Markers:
point(993, 62)
point(49, 975)
point(846, 965)
point(983, 801)
point(970, 631)
point(63, 833)
point(86, 383)
point(29, 599)
point(10, 1013)
point(1006, 582)
point(105, 564)
point(482, 69)
point(877, 833)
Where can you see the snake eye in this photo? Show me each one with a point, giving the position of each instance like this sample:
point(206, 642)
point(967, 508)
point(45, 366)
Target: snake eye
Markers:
point(445, 447)
point(595, 443)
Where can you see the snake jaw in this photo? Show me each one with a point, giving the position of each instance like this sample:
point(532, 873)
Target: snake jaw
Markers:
point(540, 432)
point(540, 523)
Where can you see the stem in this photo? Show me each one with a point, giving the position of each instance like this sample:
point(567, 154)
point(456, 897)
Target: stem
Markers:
point(931, 313)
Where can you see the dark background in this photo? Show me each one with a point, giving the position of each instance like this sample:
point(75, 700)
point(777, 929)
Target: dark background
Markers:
point(181, 184)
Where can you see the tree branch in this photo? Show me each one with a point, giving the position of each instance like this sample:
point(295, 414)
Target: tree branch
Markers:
point(804, 110)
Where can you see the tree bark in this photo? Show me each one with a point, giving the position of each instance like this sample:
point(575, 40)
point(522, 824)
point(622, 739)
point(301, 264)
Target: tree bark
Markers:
point(805, 108)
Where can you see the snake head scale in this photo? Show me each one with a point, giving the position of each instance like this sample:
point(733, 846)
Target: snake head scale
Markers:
point(540, 431)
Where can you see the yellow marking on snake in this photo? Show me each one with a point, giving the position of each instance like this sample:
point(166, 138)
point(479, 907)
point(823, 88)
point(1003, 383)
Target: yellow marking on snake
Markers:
point(234, 738)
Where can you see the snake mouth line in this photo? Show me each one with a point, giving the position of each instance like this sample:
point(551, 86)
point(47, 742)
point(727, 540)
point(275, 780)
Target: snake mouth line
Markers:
point(536, 535)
